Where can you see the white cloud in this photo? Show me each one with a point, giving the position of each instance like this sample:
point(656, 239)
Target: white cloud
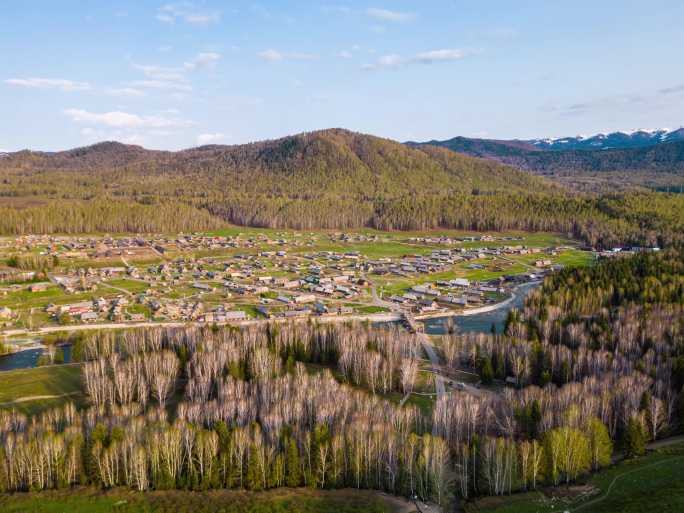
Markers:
point(127, 92)
point(616, 105)
point(203, 60)
point(440, 55)
point(387, 15)
point(204, 139)
point(386, 62)
point(394, 61)
point(336, 9)
point(127, 137)
point(49, 83)
point(172, 78)
point(160, 84)
point(301, 56)
point(344, 54)
point(118, 119)
point(160, 72)
point(188, 12)
point(272, 55)
point(673, 90)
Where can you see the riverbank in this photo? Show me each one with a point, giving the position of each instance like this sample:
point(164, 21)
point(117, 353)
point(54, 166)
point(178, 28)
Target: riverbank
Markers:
point(28, 348)
point(481, 319)
point(26, 354)
point(482, 309)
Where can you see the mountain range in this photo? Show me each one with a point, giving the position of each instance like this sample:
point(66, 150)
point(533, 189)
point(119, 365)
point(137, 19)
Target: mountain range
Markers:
point(336, 159)
point(330, 179)
point(617, 160)
point(610, 141)
point(333, 160)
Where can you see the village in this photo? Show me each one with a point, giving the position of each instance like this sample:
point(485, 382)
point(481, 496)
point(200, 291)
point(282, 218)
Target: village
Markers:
point(212, 278)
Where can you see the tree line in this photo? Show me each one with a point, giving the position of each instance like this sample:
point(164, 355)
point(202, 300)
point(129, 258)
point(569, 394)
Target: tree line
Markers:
point(332, 179)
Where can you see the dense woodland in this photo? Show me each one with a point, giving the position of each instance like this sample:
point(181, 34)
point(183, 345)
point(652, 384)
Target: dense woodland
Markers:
point(330, 179)
point(601, 169)
point(596, 355)
point(594, 363)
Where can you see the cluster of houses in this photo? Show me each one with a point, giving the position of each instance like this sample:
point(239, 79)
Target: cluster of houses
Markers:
point(620, 252)
point(100, 309)
point(139, 247)
point(275, 276)
point(444, 259)
point(459, 292)
point(459, 240)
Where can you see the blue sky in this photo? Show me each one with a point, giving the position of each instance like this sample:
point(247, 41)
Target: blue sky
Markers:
point(174, 75)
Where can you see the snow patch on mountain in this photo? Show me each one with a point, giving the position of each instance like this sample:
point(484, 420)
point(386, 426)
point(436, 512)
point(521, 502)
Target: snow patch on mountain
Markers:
point(622, 139)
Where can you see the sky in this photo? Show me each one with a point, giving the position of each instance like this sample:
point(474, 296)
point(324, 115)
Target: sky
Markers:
point(172, 75)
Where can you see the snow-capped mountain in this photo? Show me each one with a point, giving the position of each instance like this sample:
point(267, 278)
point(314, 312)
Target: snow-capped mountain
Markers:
point(614, 140)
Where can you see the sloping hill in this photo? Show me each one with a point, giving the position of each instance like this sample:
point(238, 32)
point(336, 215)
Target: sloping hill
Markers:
point(328, 161)
point(107, 154)
point(334, 179)
point(326, 179)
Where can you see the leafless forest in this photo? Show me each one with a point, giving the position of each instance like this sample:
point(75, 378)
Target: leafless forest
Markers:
point(590, 365)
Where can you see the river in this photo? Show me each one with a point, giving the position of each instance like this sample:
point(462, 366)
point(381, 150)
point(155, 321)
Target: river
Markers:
point(28, 358)
point(481, 322)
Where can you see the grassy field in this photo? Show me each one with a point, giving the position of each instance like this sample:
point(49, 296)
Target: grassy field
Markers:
point(652, 483)
point(132, 286)
point(58, 380)
point(494, 267)
point(278, 501)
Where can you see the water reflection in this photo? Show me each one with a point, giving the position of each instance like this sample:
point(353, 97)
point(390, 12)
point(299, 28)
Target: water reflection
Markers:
point(28, 358)
point(481, 323)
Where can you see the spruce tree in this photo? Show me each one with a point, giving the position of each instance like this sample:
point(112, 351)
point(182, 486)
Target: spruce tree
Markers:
point(293, 472)
point(634, 439)
point(487, 371)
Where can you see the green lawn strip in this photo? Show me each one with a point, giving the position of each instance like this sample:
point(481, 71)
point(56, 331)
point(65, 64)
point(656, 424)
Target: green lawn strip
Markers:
point(367, 309)
point(133, 286)
point(651, 483)
point(425, 403)
point(87, 500)
point(40, 381)
point(137, 308)
point(250, 310)
point(26, 299)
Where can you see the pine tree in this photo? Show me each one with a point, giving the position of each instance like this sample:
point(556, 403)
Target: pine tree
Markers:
point(486, 371)
point(535, 418)
point(634, 438)
point(254, 463)
point(293, 472)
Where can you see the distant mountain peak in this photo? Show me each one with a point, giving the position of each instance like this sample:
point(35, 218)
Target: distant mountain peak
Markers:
point(613, 140)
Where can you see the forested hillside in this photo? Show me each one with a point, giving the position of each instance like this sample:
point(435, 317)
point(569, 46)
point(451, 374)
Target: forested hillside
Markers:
point(656, 165)
point(328, 179)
